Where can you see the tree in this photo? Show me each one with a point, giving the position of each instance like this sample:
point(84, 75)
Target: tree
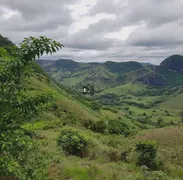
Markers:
point(147, 153)
point(72, 142)
point(18, 106)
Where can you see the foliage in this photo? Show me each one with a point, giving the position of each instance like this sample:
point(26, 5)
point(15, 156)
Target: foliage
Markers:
point(147, 153)
point(157, 175)
point(99, 126)
point(18, 106)
point(120, 127)
point(72, 142)
point(160, 122)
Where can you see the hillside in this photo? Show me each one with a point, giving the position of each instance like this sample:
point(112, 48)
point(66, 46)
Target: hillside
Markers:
point(5, 42)
point(78, 74)
point(73, 110)
point(111, 122)
point(113, 74)
point(173, 63)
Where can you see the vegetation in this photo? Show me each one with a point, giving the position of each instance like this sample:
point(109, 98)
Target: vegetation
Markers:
point(52, 131)
point(17, 105)
point(147, 153)
point(72, 142)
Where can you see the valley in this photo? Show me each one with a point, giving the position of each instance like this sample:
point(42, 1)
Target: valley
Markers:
point(148, 101)
point(84, 137)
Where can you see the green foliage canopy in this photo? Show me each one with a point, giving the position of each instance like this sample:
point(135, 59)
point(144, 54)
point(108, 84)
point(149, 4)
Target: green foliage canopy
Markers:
point(147, 153)
point(72, 142)
point(16, 104)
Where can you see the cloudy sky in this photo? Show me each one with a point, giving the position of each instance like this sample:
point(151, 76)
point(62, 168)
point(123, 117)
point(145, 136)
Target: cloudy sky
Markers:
point(99, 30)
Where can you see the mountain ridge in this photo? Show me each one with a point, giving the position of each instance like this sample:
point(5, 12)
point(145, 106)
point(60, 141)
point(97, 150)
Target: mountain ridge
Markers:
point(111, 74)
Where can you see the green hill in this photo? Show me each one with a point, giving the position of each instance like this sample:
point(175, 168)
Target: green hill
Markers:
point(125, 111)
point(173, 63)
point(5, 43)
point(112, 74)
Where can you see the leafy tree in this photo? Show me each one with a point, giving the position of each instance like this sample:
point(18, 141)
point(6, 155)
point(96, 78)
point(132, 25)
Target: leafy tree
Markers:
point(72, 142)
point(147, 153)
point(18, 106)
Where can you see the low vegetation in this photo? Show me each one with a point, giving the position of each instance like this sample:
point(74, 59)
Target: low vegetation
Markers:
point(52, 131)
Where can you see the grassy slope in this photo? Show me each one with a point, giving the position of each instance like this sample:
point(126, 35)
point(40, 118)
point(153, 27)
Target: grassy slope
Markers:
point(174, 103)
point(100, 159)
point(170, 147)
point(126, 89)
point(104, 157)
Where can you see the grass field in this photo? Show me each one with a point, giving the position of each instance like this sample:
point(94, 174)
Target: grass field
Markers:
point(174, 103)
point(126, 89)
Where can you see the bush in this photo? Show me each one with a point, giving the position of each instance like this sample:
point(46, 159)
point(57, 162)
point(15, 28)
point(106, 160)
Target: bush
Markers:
point(119, 127)
point(147, 153)
point(160, 122)
point(87, 123)
point(114, 156)
point(127, 108)
point(144, 114)
point(130, 112)
point(99, 126)
point(72, 142)
point(158, 175)
point(95, 106)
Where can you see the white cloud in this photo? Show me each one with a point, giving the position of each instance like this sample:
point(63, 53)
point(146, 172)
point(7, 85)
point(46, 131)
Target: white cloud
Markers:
point(123, 34)
point(7, 13)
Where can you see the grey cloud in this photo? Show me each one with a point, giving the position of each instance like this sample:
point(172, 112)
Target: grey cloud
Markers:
point(153, 12)
point(160, 36)
point(33, 8)
point(166, 35)
point(86, 39)
point(36, 16)
point(17, 23)
point(105, 26)
point(108, 6)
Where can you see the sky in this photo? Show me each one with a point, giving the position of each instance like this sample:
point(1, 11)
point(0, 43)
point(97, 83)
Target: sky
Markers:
point(99, 30)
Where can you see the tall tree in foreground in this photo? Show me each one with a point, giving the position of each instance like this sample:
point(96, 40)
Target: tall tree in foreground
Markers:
point(18, 106)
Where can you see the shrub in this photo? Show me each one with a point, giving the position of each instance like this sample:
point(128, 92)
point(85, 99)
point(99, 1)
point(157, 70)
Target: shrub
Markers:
point(147, 153)
point(119, 127)
point(158, 175)
point(95, 106)
point(160, 122)
point(87, 123)
point(99, 126)
point(144, 114)
point(124, 155)
point(72, 142)
point(114, 156)
point(127, 108)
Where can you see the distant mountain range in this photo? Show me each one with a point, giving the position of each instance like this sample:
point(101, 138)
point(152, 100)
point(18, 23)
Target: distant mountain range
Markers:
point(112, 74)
